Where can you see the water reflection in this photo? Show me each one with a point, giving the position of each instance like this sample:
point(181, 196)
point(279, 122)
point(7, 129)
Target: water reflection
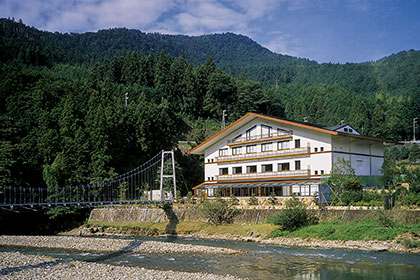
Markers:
point(262, 261)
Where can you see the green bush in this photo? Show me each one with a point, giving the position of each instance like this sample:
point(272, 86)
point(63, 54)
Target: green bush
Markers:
point(253, 200)
point(409, 243)
point(368, 197)
point(272, 199)
point(408, 198)
point(218, 211)
point(234, 200)
point(384, 219)
point(349, 197)
point(295, 215)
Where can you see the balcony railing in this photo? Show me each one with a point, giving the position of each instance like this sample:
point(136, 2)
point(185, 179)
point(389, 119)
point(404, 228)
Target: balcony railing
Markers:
point(286, 173)
point(259, 137)
point(279, 153)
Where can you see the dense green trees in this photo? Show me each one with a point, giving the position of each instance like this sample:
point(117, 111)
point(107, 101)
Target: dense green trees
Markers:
point(62, 98)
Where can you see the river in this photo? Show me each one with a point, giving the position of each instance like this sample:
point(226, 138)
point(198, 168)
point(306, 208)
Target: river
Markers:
point(258, 261)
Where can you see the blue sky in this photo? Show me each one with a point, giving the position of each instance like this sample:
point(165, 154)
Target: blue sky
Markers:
point(322, 30)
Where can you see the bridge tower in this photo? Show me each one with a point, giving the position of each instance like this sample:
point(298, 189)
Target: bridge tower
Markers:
point(163, 175)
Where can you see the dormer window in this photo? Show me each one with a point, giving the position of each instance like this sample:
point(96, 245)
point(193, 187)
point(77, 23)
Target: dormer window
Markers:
point(346, 129)
point(265, 131)
point(250, 133)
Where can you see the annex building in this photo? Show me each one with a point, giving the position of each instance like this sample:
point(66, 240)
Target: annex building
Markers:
point(259, 154)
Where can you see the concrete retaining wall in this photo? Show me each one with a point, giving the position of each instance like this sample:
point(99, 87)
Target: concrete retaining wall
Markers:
point(245, 216)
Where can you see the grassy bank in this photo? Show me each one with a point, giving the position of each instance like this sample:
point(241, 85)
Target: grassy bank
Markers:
point(355, 230)
point(408, 235)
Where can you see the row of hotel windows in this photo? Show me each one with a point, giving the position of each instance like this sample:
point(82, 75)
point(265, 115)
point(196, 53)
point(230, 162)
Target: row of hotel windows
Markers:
point(282, 145)
point(264, 168)
point(266, 147)
point(266, 132)
point(299, 190)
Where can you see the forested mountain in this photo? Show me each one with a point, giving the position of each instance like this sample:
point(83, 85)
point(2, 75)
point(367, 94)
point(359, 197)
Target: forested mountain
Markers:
point(234, 54)
point(63, 120)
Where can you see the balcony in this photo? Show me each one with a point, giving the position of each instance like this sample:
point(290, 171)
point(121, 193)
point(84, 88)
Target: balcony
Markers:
point(260, 138)
point(286, 173)
point(270, 154)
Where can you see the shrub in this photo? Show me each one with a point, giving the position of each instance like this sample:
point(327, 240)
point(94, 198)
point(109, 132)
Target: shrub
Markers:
point(384, 219)
point(189, 197)
point(234, 200)
point(409, 243)
point(253, 200)
point(218, 211)
point(272, 199)
point(349, 197)
point(293, 216)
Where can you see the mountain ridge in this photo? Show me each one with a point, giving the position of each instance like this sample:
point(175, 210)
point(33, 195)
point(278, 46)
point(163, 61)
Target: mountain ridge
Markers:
point(233, 53)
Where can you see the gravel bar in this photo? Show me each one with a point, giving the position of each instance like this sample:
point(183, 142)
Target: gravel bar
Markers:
point(19, 266)
point(108, 245)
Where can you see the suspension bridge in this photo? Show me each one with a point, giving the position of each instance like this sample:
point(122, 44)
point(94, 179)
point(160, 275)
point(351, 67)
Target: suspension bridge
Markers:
point(145, 184)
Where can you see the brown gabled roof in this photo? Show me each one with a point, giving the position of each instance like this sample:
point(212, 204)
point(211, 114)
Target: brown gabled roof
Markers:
point(307, 125)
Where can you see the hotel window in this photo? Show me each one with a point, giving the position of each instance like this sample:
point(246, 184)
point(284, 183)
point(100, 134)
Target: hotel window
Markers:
point(350, 130)
point(305, 190)
point(316, 172)
point(237, 170)
point(281, 131)
point(322, 149)
point(237, 138)
point(266, 147)
point(236, 150)
point(322, 172)
point(283, 145)
point(251, 149)
point(251, 169)
point(265, 131)
point(223, 152)
point(297, 165)
point(267, 168)
point(297, 143)
point(223, 171)
point(316, 150)
point(345, 129)
point(283, 166)
point(251, 133)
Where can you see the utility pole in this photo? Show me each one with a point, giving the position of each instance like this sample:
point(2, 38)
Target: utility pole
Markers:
point(414, 129)
point(126, 99)
point(223, 119)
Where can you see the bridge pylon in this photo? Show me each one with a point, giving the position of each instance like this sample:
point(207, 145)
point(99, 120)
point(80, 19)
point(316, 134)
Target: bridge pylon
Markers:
point(163, 175)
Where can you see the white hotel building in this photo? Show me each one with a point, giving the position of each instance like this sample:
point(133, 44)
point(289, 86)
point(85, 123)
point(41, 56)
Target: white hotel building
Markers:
point(259, 154)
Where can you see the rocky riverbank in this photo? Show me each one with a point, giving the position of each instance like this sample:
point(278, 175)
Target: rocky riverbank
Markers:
point(366, 245)
point(15, 265)
point(108, 245)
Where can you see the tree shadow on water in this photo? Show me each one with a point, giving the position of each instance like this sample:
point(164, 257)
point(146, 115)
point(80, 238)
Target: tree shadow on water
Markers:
point(133, 244)
point(170, 229)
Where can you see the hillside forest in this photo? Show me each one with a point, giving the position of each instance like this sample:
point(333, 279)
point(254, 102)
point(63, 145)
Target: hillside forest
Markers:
point(64, 120)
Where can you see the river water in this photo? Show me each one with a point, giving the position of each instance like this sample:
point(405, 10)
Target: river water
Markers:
point(259, 261)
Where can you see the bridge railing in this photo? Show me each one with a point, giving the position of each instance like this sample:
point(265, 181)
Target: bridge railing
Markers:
point(143, 184)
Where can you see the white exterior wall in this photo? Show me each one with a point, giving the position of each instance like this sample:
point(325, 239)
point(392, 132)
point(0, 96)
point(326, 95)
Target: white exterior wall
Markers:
point(316, 161)
point(366, 157)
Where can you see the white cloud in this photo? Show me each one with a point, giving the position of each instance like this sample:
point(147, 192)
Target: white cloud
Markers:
point(211, 16)
point(284, 43)
point(65, 16)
